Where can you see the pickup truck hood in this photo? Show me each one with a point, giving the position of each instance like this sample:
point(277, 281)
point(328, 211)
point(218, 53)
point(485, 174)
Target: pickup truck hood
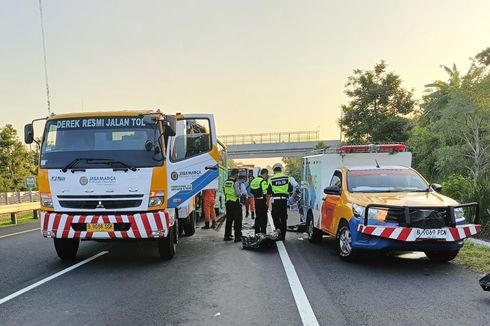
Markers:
point(414, 199)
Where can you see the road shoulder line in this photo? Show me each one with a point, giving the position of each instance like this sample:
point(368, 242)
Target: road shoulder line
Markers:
point(302, 303)
point(49, 278)
point(17, 233)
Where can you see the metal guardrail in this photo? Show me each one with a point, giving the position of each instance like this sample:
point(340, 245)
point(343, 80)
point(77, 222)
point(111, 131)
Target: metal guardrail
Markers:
point(17, 208)
point(270, 138)
point(8, 198)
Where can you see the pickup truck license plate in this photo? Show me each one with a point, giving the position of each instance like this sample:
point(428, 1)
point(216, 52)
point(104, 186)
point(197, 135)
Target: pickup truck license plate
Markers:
point(431, 233)
point(100, 227)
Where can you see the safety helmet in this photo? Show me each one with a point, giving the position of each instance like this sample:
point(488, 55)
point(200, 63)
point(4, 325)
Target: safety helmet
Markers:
point(277, 166)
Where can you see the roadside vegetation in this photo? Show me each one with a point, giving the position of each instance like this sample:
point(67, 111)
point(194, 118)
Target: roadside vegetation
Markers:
point(476, 256)
point(22, 218)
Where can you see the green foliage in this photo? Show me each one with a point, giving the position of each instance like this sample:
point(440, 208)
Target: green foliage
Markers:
point(15, 161)
point(458, 188)
point(321, 145)
point(378, 107)
point(293, 167)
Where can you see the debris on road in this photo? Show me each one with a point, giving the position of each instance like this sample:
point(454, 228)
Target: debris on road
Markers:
point(485, 283)
point(261, 240)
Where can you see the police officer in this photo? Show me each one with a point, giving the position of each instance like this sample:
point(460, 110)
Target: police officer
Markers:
point(258, 187)
point(279, 188)
point(233, 207)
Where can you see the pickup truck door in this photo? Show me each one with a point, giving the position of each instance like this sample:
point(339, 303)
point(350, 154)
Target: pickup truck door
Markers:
point(192, 158)
point(329, 207)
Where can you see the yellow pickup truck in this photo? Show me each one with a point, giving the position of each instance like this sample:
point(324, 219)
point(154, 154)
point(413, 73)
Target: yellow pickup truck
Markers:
point(381, 206)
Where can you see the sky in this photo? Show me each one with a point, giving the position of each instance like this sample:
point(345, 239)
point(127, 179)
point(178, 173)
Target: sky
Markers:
point(257, 65)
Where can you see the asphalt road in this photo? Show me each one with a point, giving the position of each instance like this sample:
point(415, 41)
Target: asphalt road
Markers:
point(211, 282)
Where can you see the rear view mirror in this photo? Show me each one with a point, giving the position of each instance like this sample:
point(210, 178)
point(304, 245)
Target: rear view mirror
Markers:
point(436, 187)
point(28, 133)
point(332, 190)
point(170, 125)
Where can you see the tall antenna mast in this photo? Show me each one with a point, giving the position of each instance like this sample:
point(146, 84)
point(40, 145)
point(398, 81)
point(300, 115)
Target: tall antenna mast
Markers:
point(44, 55)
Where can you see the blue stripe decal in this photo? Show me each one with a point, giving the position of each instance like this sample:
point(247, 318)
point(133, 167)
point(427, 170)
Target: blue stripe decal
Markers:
point(197, 186)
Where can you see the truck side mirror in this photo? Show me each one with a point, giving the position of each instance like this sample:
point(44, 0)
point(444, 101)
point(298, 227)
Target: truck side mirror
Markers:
point(332, 190)
point(170, 124)
point(28, 133)
point(436, 187)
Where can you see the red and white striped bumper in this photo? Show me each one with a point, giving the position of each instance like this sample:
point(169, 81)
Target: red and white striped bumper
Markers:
point(142, 226)
point(452, 234)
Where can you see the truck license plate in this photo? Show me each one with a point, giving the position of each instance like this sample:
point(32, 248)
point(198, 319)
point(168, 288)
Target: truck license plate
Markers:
point(431, 233)
point(100, 227)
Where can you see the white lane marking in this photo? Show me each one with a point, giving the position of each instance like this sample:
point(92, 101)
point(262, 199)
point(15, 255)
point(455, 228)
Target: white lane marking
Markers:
point(17, 233)
point(49, 278)
point(304, 308)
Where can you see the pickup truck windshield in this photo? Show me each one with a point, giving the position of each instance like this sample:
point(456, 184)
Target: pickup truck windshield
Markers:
point(92, 142)
point(385, 180)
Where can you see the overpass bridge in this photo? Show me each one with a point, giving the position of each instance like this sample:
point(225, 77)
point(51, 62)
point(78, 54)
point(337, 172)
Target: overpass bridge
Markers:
point(279, 144)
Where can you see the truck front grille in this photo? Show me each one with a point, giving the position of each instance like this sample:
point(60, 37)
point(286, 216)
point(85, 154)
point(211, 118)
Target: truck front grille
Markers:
point(421, 218)
point(100, 204)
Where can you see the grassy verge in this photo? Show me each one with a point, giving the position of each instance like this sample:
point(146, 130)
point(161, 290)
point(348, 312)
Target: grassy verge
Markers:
point(475, 256)
point(22, 218)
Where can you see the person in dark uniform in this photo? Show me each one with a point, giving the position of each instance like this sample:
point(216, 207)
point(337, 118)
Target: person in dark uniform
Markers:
point(279, 188)
point(258, 188)
point(233, 207)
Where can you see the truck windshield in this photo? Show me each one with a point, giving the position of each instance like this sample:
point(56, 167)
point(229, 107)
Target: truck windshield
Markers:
point(386, 180)
point(92, 142)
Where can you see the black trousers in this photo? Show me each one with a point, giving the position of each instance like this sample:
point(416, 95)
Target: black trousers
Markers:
point(261, 216)
point(233, 217)
point(280, 215)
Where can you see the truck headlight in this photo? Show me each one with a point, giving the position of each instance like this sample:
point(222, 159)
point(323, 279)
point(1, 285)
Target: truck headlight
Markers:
point(360, 211)
point(156, 199)
point(46, 199)
point(459, 214)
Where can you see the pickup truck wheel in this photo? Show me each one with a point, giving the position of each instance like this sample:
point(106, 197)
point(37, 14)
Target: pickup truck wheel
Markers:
point(190, 227)
point(344, 243)
point(66, 248)
point(167, 245)
point(314, 235)
point(441, 255)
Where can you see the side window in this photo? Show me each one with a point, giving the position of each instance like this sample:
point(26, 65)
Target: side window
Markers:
point(194, 140)
point(336, 179)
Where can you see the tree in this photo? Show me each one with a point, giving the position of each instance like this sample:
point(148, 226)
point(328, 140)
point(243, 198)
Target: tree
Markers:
point(378, 107)
point(293, 167)
point(451, 142)
point(15, 161)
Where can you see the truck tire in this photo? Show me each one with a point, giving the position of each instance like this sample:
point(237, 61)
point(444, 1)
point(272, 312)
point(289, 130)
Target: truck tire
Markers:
point(344, 243)
point(190, 226)
point(66, 248)
point(441, 256)
point(167, 246)
point(314, 235)
point(180, 226)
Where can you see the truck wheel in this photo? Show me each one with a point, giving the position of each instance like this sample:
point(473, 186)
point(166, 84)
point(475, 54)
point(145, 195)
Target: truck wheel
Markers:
point(190, 227)
point(180, 226)
point(167, 245)
point(314, 235)
point(441, 255)
point(344, 243)
point(66, 248)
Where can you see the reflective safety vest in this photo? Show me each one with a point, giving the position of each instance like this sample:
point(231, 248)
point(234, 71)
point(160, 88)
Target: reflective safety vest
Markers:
point(230, 194)
point(258, 187)
point(280, 184)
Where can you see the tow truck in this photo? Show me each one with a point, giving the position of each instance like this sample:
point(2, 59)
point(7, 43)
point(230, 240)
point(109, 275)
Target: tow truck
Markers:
point(374, 200)
point(121, 175)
